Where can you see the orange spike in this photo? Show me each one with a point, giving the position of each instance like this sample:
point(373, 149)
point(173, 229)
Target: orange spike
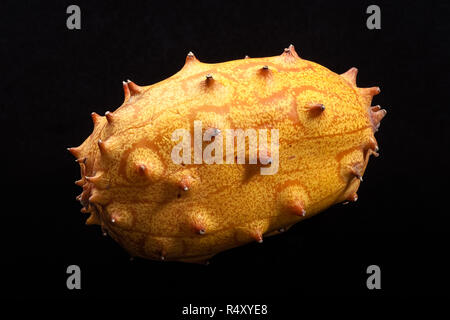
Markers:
point(134, 88)
point(109, 116)
point(368, 93)
point(198, 226)
point(185, 183)
point(95, 118)
point(257, 235)
point(79, 182)
point(265, 158)
point(298, 208)
point(96, 197)
point(209, 80)
point(211, 132)
point(353, 197)
point(94, 179)
point(375, 154)
point(126, 91)
point(162, 255)
point(190, 59)
point(290, 52)
point(375, 108)
point(356, 172)
point(372, 144)
point(143, 170)
point(350, 75)
point(84, 196)
point(93, 219)
point(102, 146)
point(81, 160)
point(75, 151)
point(265, 71)
point(376, 117)
point(316, 108)
point(372, 91)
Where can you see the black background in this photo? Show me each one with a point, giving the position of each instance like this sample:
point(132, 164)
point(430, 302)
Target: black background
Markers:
point(53, 78)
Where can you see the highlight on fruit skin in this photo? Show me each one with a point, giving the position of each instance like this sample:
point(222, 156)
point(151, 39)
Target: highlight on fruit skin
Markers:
point(160, 210)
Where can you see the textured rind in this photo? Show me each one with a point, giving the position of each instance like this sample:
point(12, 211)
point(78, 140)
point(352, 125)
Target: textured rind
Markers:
point(159, 210)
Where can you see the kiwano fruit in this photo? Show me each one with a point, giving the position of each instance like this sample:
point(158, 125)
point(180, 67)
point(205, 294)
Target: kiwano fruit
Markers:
point(158, 209)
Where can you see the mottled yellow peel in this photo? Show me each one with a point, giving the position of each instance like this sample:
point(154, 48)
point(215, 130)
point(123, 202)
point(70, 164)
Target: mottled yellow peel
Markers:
point(161, 210)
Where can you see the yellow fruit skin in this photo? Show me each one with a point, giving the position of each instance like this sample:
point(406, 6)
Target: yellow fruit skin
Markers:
point(160, 210)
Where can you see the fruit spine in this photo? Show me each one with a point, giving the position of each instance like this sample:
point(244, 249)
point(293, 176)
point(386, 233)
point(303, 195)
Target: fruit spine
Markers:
point(161, 210)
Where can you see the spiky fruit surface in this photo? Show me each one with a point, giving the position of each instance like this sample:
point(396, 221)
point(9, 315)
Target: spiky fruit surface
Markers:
point(160, 210)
